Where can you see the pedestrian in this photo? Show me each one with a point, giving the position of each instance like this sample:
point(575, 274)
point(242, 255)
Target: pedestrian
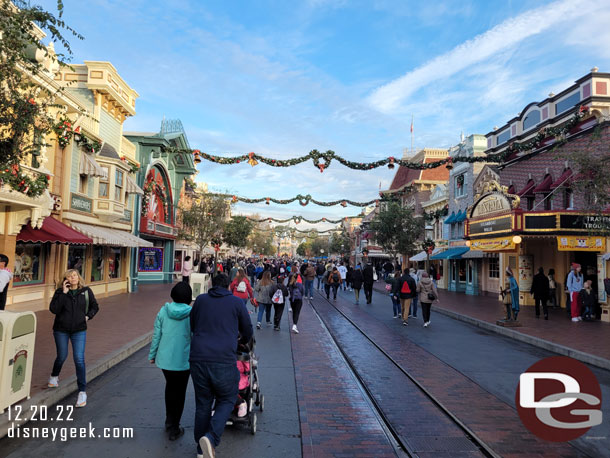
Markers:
point(73, 305)
point(540, 291)
point(393, 281)
point(388, 268)
point(169, 350)
point(241, 287)
point(320, 270)
point(406, 293)
point(414, 302)
point(262, 295)
point(433, 273)
point(251, 271)
point(219, 321)
point(368, 278)
point(588, 300)
point(427, 292)
point(343, 272)
point(511, 289)
point(279, 295)
point(310, 275)
point(187, 269)
point(552, 288)
point(574, 284)
point(232, 271)
point(296, 290)
point(357, 280)
point(5, 278)
point(335, 282)
point(349, 276)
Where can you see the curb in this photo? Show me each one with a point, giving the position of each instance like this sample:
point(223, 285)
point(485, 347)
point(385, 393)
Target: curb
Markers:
point(50, 397)
point(525, 338)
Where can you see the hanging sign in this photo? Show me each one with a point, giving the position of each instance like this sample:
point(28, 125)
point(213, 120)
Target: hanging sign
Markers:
point(580, 243)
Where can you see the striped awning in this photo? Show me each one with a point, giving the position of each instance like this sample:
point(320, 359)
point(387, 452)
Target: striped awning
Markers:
point(131, 187)
point(106, 236)
point(89, 166)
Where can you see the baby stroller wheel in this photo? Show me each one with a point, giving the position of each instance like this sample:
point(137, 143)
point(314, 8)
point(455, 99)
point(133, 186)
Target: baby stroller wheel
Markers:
point(253, 424)
point(261, 402)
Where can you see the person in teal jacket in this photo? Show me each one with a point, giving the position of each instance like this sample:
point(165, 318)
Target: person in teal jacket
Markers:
point(169, 350)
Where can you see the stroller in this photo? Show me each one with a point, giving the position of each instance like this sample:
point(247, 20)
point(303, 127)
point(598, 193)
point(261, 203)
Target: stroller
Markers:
point(249, 388)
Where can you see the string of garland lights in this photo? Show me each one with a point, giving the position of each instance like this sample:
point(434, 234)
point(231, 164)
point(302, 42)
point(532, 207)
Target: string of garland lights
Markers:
point(299, 219)
point(322, 160)
point(303, 200)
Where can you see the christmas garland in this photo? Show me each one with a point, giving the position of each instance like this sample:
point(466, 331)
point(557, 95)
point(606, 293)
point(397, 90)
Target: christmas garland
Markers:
point(323, 160)
point(13, 176)
point(151, 187)
point(63, 132)
point(303, 200)
point(91, 146)
point(438, 214)
point(428, 246)
point(298, 219)
point(134, 166)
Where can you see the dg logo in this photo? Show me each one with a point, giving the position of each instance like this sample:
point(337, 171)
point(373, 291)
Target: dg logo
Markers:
point(559, 399)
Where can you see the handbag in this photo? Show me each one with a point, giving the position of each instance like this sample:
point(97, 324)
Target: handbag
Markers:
point(431, 296)
point(375, 278)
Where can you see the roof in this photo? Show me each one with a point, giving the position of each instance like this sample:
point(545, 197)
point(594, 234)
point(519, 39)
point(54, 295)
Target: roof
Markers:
point(109, 151)
point(403, 177)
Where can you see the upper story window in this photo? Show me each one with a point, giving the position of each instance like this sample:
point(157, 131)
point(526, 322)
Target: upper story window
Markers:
point(118, 185)
point(503, 137)
point(567, 103)
point(460, 185)
point(568, 199)
point(103, 187)
point(532, 119)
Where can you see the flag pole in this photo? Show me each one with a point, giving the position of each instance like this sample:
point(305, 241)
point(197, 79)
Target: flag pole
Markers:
point(411, 135)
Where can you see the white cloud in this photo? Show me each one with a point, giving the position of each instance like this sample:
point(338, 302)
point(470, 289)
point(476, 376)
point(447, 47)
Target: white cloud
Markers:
point(501, 37)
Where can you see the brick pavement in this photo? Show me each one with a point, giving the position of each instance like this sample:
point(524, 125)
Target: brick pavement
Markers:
point(336, 420)
point(588, 337)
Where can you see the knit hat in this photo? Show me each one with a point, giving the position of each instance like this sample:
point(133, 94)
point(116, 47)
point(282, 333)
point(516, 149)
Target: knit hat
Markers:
point(575, 265)
point(182, 293)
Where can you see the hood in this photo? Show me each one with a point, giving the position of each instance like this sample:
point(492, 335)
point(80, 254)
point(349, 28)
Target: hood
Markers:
point(217, 291)
point(177, 311)
point(426, 281)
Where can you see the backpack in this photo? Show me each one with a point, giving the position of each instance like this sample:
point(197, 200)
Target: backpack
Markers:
point(241, 288)
point(336, 278)
point(282, 270)
point(406, 289)
point(278, 297)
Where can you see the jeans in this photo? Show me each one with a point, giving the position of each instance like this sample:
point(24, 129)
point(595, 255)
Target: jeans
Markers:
point(320, 284)
point(425, 308)
point(414, 303)
point(264, 308)
point(78, 352)
point(252, 278)
point(395, 306)
point(344, 284)
point(368, 292)
point(296, 309)
point(213, 382)
point(175, 392)
point(308, 288)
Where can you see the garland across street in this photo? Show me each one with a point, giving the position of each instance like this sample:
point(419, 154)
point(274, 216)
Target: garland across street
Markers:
point(298, 219)
point(303, 200)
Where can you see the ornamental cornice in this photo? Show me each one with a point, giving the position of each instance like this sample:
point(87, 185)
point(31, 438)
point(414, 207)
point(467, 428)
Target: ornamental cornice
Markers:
point(24, 209)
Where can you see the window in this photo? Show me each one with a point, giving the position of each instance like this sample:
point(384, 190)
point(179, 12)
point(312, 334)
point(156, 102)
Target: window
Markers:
point(530, 203)
point(503, 137)
point(568, 199)
point(82, 184)
point(114, 263)
point(532, 119)
point(103, 188)
point(76, 258)
point(548, 202)
point(567, 103)
point(97, 266)
point(118, 185)
point(460, 185)
point(494, 267)
point(29, 264)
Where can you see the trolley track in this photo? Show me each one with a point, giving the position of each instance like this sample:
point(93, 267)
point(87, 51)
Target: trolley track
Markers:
point(419, 423)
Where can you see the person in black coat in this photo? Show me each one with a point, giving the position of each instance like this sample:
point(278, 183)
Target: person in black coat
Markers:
point(540, 290)
point(368, 275)
point(357, 280)
point(73, 305)
point(407, 290)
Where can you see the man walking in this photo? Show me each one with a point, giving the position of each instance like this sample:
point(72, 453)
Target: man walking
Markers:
point(540, 291)
point(218, 319)
point(406, 293)
point(368, 276)
point(343, 272)
point(5, 278)
point(310, 275)
point(320, 270)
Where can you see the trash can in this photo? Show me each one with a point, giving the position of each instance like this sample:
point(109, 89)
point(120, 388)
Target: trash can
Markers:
point(200, 283)
point(18, 335)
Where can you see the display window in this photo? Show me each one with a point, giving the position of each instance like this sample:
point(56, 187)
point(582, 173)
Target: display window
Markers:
point(76, 258)
point(97, 267)
point(29, 264)
point(115, 260)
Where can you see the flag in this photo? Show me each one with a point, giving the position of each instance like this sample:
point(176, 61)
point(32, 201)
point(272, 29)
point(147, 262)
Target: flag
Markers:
point(411, 123)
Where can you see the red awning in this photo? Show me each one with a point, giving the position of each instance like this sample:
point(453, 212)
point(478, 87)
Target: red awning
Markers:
point(53, 231)
point(527, 191)
point(564, 179)
point(545, 186)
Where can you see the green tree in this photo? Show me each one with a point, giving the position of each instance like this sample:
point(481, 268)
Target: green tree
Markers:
point(320, 246)
point(397, 229)
point(236, 231)
point(340, 242)
point(304, 249)
point(261, 239)
point(26, 105)
point(203, 221)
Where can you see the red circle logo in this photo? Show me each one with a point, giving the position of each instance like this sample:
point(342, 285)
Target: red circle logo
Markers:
point(559, 399)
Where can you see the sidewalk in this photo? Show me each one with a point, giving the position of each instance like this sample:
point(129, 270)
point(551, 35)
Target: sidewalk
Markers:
point(123, 325)
point(586, 341)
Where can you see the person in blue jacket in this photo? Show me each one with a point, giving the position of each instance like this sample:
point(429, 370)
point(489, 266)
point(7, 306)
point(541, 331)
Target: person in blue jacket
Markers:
point(169, 350)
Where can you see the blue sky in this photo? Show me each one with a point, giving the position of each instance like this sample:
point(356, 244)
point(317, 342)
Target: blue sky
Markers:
point(282, 78)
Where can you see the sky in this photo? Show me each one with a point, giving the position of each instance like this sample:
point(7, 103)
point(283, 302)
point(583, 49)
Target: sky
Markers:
point(282, 78)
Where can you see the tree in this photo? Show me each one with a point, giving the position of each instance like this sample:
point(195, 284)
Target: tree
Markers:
point(203, 221)
point(261, 238)
point(319, 246)
point(340, 242)
point(25, 105)
point(236, 231)
point(397, 229)
point(304, 249)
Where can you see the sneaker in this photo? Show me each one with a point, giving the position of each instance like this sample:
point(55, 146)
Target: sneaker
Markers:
point(311, 297)
point(269, 323)
point(404, 323)
point(206, 447)
point(176, 434)
point(395, 316)
point(426, 324)
point(258, 325)
point(579, 318)
point(294, 329)
point(53, 382)
point(290, 310)
point(276, 328)
point(410, 316)
point(575, 320)
point(82, 399)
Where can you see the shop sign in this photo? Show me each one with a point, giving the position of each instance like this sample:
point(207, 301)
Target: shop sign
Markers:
point(581, 243)
point(491, 204)
point(81, 203)
point(526, 272)
point(455, 243)
point(489, 227)
point(588, 222)
point(150, 260)
point(499, 244)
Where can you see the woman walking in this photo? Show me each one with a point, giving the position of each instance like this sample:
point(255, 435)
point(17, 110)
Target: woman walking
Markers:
point(357, 280)
point(169, 350)
point(240, 286)
point(262, 295)
point(334, 280)
point(187, 269)
point(393, 281)
point(73, 304)
point(428, 293)
point(296, 290)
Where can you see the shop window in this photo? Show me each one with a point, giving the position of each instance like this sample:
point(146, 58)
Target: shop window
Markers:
point(82, 184)
point(530, 203)
point(494, 267)
point(114, 263)
point(76, 258)
point(97, 267)
point(568, 199)
point(460, 185)
point(29, 264)
point(118, 185)
point(103, 187)
point(177, 261)
point(462, 270)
